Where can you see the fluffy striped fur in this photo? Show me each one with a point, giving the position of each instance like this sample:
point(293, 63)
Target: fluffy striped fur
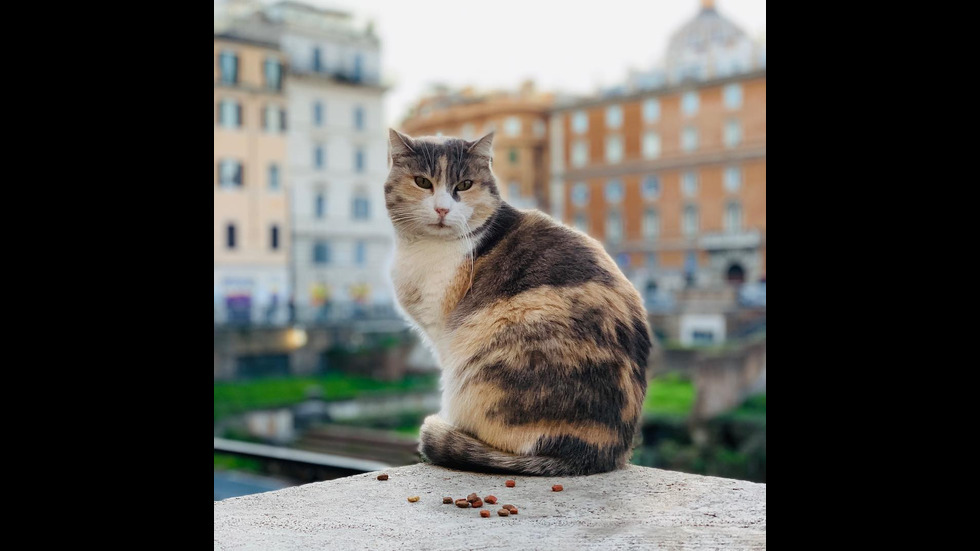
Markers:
point(542, 341)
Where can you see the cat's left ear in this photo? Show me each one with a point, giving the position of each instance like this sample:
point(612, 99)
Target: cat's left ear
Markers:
point(482, 147)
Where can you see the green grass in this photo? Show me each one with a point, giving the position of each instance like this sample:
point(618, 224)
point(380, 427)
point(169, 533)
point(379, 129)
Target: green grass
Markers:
point(238, 396)
point(669, 395)
point(753, 409)
point(228, 462)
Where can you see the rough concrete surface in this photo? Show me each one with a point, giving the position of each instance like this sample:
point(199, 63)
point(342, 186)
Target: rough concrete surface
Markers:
point(634, 508)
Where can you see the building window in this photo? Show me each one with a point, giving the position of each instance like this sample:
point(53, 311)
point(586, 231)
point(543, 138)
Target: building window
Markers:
point(230, 174)
point(317, 113)
point(689, 184)
point(319, 156)
point(690, 220)
point(514, 190)
point(652, 263)
point(359, 159)
point(360, 208)
point(230, 114)
point(512, 155)
point(733, 217)
point(690, 265)
point(358, 118)
point(614, 191)
point(614, 149)
point(580, 153)
point(733, 96)
point(317, 60)
point(274, 237)
point(360, 253)
point(733, 133)
point(357, 72)
point(273, 118)
point(274, 177)
point(273, 73)
point(614, 116)
point(651, 145)
point(228, 65)
point(230, 236)
point(651, 110)
point(651, 224)
point(689, 138)
point(320, 205)
point(690, 102)
point(580, 122)
point(614, 227)
point(539, 129)
point(580, 194)
point(733, 179)
point(512, 126)
point(651, 187)
point(321, 252)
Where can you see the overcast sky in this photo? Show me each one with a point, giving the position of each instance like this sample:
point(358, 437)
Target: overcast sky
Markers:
point(567, 46)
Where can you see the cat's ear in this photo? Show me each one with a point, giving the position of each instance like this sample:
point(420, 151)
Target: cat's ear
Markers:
point(400, 143)
point(482, 147)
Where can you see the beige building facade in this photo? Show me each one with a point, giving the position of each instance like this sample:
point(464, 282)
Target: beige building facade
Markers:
point(251, 196)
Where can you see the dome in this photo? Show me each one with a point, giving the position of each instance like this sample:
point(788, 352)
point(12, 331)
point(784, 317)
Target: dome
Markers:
point(709, 45)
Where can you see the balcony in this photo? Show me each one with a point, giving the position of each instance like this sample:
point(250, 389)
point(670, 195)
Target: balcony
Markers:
point(736, 240)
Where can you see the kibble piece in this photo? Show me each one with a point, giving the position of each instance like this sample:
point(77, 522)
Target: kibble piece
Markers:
point(478, 503)
point(383, 476)
point(513, 510)
point(490, 499)
point(507, 506)
point(413, 499)
point(485, 514)
point(447, 500)
point(503, 512)
point(510, 483)
point(462, 503)
point(472, 497)
point(557, 488)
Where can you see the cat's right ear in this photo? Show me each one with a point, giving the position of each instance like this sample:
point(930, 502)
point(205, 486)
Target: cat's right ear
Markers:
point(399, 144)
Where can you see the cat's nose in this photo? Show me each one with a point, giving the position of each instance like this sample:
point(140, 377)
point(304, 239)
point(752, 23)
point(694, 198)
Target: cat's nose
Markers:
point(442, 212)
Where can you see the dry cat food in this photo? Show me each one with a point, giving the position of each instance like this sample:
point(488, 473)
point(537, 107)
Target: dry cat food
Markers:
point(383, 476)
point(447, 500)
point(413, 499)
point(472, 497)
point(490, 499)
point(557, 488)
point(485, 514)
point(478, 503)
point(510, 483)
point(513, 510)
point(462, 503)
point(503, 512)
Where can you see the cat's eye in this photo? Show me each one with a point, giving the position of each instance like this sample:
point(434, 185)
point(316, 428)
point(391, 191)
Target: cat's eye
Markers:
point(423, 183)
point(464, 185)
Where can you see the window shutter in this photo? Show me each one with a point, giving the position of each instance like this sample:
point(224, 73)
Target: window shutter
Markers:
point(239, 175)
point(220, 115)
point(282, 120)
point(238, 109)
point(265, 118)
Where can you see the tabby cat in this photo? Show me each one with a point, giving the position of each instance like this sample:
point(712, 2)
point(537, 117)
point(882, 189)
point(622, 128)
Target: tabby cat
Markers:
point(542, 341)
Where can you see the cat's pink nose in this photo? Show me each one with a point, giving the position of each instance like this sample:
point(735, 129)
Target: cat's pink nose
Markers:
point(442, 212)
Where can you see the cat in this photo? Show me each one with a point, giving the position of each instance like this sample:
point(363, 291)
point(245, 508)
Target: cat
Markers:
point(542, 341)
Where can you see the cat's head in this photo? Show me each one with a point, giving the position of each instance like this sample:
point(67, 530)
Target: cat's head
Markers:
point(440, 187)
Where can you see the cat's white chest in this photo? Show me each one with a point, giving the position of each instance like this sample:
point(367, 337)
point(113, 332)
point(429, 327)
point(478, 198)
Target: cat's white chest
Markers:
point(422, 273)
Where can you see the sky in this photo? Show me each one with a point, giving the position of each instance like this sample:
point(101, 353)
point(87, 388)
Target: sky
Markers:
point(569, 46)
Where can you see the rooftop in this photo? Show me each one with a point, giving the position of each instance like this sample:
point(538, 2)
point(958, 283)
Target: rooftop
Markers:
point(633, 507)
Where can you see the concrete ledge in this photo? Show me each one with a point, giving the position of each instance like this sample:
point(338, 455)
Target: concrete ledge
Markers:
point(636, 507)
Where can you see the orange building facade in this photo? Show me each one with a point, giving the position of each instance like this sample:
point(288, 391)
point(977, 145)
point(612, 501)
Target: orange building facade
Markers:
point(672, 180)
point(520, 125)
point(251, 219)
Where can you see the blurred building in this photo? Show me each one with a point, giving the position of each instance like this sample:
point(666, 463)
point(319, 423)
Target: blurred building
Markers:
point(337, 156)
point(519, 121)
point(251, 220)
point(672, 177)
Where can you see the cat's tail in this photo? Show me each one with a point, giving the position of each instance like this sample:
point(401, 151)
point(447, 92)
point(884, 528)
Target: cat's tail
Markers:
point(445, 445)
